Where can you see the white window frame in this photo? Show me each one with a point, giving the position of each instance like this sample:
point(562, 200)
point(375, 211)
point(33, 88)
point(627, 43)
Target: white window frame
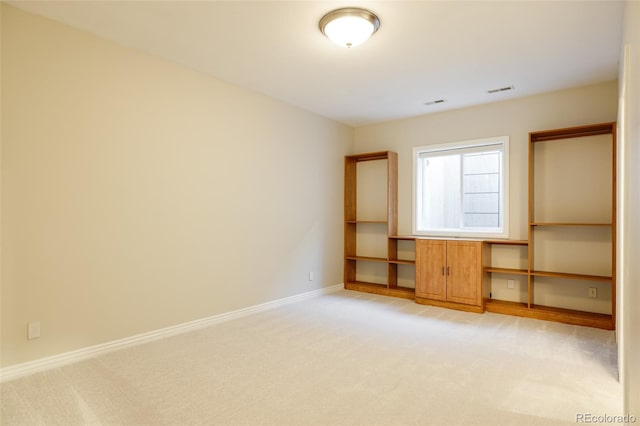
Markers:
point(417, 187)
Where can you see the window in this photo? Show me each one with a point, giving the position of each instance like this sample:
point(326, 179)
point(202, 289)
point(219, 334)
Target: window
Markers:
point(461, 189)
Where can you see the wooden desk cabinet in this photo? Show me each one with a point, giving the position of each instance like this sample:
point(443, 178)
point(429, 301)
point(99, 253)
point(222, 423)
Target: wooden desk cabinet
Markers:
point(449, 274)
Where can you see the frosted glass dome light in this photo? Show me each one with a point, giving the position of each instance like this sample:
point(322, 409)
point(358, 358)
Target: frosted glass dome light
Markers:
point(350, 26)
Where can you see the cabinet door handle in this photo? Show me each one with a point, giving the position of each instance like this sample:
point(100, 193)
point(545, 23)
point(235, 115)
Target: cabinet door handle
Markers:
point(443, 270)
point(448, 270)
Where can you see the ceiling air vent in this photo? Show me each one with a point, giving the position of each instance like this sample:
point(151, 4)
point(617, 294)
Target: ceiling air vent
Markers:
point(437, 101)
point(501, 89)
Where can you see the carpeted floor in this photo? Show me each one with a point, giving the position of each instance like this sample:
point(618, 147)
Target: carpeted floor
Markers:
point(341, 359)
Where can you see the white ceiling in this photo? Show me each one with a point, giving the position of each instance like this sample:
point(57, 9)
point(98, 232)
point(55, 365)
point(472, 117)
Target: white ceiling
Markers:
point(424, 50)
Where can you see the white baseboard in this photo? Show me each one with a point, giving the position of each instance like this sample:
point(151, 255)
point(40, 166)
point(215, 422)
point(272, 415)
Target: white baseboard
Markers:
point(20, 370)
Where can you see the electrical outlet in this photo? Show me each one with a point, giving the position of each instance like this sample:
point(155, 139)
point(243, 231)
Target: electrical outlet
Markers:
point(33, 330)
point(311, 276)
point(593, 292)
point(511, 284)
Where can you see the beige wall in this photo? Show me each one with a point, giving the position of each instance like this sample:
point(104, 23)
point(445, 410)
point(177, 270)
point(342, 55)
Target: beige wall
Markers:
point(138, 194)
point(514, 118)
point(629, 195)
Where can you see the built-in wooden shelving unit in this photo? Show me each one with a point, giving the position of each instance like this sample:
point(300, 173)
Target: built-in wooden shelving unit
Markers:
point(391, 260)
point(578, 229)
point(543, 222)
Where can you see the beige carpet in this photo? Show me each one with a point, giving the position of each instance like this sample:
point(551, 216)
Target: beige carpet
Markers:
point(342, 359)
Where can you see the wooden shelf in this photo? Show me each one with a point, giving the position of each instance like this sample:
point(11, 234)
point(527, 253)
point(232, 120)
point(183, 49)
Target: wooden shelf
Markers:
point(380, 155)
point(367, 258)
point(573, 132)
point(571, 276)
point(381, 222)
point(510, 271)
point(569, 224)
point(402, 237)
point(402, 262)
point(505, 307)
point(567, 316)
point(566, 275)
point(382, 289)
point(508, 242)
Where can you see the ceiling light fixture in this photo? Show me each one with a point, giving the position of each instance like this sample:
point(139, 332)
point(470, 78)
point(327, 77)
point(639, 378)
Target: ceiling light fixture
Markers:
point(350, 26)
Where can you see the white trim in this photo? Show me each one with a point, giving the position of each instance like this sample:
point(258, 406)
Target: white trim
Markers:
point(20, 370)
point(449, 146)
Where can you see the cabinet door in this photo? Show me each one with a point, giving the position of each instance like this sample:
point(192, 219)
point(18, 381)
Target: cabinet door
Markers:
point(431, 281)
point(464, 272)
